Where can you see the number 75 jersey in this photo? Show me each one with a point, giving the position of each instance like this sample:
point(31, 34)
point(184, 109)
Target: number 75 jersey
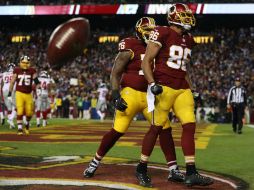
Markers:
point(174, 54)
point(24, 79)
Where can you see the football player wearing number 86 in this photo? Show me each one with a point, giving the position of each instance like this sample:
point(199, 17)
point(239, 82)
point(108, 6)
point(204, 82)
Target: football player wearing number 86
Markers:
point(169, 83)
point(23, 76)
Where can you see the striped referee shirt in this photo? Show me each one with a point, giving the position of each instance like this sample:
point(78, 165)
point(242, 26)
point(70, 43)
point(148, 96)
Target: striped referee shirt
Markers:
point(237, 95)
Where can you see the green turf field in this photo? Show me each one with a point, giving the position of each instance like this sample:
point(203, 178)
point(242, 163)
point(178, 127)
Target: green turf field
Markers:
point(227, 153)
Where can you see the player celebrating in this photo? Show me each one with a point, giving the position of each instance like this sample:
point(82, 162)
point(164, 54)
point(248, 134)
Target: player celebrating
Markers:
point(171, 46)
point(23, 76)
point(42, 101)
point(5, 85)
point(132, 99)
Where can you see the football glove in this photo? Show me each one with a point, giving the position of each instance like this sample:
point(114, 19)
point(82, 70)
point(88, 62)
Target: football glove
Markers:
point(156, 89)
point(119, 102)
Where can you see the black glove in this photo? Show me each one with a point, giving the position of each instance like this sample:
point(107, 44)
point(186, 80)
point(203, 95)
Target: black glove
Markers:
point(119, 102)
point(156, 88)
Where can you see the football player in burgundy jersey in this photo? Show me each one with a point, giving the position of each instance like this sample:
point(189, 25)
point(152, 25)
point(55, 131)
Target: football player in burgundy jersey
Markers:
point(23, 76)
point(127, 74)
point(168, 82)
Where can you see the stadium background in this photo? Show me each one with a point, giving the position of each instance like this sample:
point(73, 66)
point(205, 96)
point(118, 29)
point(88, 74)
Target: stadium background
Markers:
point(228, 53)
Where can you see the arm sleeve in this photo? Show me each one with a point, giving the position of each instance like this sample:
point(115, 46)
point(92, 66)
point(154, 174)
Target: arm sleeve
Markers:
point(158, 35)
point(126, 45)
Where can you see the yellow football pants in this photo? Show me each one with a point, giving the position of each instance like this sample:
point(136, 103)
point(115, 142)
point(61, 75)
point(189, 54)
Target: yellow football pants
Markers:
point(25, 104)
point(181, 101)
point(137, 103)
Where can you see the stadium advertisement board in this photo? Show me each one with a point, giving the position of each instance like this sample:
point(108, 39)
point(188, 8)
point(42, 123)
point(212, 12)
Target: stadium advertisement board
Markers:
point(126, 9)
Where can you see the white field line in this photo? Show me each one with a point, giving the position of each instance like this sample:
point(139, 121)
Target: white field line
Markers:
point(249, 125)
point(26, 181)
point(213, 177)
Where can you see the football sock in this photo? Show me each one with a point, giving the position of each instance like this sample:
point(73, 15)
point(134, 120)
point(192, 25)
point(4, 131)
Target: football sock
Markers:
point(44, 123)
point(168, 146)
point(150, 140)
point(190, 169)
point(108, 141)
point(173, 167)
point(187, 141)
point(19, 125)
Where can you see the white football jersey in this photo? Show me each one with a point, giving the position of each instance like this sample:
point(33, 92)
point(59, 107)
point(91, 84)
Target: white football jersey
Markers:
point(6, 78)
point(44, 85)
point(102, 93)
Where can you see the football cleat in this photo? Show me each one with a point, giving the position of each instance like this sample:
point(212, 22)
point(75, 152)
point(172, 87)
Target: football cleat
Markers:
point(20, 132)
point(143, 179)
point(197, 179)
point(27, 132)
point(92, 167)
point(176, 175)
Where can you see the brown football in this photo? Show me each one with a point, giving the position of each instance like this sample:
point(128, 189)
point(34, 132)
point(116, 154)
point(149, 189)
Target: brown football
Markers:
point(68, 41)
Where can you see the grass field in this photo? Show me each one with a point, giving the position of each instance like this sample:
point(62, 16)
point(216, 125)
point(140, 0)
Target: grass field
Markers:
point(226, 153)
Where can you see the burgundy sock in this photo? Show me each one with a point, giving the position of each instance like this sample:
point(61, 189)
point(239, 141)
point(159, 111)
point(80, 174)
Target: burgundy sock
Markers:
point(168, 146)
point(108, 141)
point(187, 140)
point(150, 140)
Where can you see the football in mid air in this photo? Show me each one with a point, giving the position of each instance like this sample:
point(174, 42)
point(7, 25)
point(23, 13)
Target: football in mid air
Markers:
point(68, 41)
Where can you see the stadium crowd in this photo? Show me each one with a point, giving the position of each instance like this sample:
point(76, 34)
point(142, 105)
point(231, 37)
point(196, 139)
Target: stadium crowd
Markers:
point(215, 65)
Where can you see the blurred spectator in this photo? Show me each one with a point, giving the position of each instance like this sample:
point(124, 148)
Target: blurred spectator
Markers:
point(86, 108)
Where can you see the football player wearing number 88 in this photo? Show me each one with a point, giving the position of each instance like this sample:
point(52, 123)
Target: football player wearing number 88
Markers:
point(23, 76)
point(169, 82)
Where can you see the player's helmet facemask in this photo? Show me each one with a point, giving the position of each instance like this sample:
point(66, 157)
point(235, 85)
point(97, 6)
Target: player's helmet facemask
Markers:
point(143, 28)
point(44, 74)
point(179, 14)
point(10, 67)
point(24, 62)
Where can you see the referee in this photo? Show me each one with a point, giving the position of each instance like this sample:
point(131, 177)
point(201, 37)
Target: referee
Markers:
point(236, 102)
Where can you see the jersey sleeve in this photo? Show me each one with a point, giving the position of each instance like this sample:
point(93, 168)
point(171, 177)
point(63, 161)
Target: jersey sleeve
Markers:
point(158, 35)
point(126, 45)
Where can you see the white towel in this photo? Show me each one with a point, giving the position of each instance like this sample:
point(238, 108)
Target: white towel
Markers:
point(150, 99)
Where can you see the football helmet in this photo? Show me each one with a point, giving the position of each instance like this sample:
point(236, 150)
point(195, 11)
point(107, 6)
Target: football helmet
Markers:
point(10, 67)
point(44, 74)
point(143, 27)
point(102, 85)
point(181, 15)
point(24, 62)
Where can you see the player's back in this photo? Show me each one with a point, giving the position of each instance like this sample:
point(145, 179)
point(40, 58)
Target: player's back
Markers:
point(133, 76)
point(175, 53)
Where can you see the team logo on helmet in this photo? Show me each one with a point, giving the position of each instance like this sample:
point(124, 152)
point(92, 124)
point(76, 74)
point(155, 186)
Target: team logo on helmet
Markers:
point(180, 14)
point(143, 27)
point(24, 62)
